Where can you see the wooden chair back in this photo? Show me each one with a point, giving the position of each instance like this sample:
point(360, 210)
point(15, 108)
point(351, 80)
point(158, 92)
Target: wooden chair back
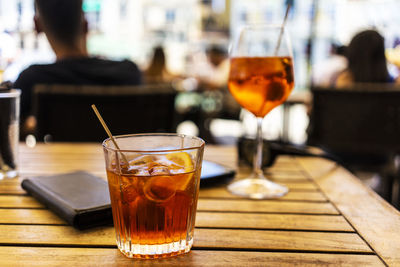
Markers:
point(64, 112)
point(363, 119)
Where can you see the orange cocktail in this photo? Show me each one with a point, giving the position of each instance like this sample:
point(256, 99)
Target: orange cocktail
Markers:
point(260, 79)
point(260, 84)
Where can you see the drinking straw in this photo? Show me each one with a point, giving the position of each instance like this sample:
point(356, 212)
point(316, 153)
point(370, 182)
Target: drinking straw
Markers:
point(281, 32)
point(108, 131)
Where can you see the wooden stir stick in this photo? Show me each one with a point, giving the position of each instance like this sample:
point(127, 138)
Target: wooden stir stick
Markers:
point(108, 132)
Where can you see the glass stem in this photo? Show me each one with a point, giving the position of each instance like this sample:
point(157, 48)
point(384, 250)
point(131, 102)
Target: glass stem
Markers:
point(257, 161)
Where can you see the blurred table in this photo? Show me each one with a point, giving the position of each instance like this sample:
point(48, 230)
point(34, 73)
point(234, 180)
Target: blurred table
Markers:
point(328, 218)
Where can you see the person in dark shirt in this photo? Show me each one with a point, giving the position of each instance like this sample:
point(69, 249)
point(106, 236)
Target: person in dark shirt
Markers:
point(65, 27)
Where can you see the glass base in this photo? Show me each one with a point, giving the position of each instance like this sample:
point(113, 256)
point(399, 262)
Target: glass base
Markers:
point(257, 188)
point(139, 251)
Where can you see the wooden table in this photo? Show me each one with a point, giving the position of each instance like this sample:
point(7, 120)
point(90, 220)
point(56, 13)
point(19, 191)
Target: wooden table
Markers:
point(328, 218)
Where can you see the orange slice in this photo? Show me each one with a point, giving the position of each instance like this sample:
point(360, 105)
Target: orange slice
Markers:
point(159, 189)
point(182, 180)
point(182, 159)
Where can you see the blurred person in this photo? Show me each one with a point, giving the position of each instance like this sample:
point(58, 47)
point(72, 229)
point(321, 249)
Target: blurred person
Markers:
point(366, 60)
point(65, 27)
point(157, 71)
point(217, 74)
point(326, 72)
point(366, 64)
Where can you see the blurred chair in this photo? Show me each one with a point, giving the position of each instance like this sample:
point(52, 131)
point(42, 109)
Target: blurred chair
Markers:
point(361, 126)
point(64, 112)
point(203, 106)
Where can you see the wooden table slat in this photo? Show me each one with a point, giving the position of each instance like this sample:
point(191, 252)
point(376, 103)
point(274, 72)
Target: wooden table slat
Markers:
point(273, 221)
point(222, 192)
point(239, 205)
point(242, 205)
point(10, 201)
point(222, 238)
point(37, 256)
point(205, 219)
point(297, 191)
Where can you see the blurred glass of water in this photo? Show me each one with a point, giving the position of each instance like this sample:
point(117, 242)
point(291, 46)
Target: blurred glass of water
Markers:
point(9, 132)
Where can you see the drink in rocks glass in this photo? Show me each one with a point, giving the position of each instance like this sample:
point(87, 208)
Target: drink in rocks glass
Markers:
point(154, 185)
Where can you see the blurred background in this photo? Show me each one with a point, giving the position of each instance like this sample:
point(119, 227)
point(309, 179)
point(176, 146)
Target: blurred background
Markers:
point(130, 29)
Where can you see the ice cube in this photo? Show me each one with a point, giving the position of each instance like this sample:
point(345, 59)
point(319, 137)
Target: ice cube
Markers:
point(140, 165)
point(159, 189)
point(130, 188)
point(128, 193)
point(122, 166)
point(275, 89)
point(139, 170)
point(142, 160)
point(177, 170)
point(172, 166)
point(159, 170)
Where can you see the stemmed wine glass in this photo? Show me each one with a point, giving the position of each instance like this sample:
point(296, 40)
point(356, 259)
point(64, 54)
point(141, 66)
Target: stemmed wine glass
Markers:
point(260, 79)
